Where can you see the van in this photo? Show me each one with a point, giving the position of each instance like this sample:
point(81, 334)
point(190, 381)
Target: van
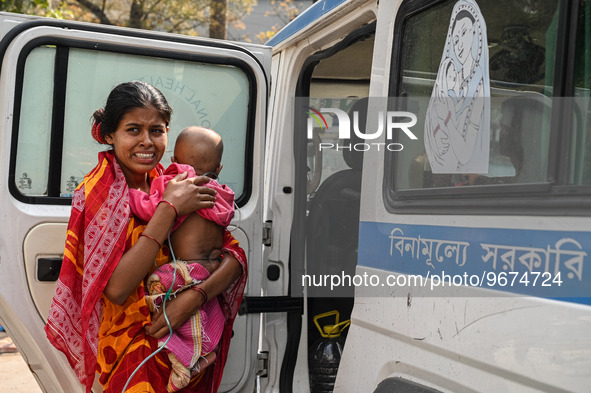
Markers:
point(419, 173)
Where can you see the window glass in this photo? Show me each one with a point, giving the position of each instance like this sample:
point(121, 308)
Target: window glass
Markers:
point(513, 134)
point(35, 123)
point(580, 169)
point(209, 95)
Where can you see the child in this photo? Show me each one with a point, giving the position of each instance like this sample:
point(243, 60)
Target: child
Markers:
point(451, 98)
point(196, 241)
point(455, 89)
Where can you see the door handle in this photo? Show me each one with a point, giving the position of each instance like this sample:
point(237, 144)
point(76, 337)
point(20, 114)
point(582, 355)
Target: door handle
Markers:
point(256, 305)
point(48, 269)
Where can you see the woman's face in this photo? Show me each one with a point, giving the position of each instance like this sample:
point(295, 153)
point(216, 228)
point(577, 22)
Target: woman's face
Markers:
point(139, 143)
point(462, 34)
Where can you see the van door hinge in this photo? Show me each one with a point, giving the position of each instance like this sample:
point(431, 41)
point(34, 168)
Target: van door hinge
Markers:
point(267, 232)
point(263, 364)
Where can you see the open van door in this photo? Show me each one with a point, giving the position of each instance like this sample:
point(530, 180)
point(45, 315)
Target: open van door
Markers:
point(53, 75)
point(322, 56)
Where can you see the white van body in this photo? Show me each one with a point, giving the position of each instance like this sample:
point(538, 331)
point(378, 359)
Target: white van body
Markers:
point(418, 337)
point(415, 336)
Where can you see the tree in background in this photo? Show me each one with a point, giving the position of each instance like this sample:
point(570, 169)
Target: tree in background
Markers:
point(173, 16)
point(286, 11)
point(37, 7)
point(218, 20)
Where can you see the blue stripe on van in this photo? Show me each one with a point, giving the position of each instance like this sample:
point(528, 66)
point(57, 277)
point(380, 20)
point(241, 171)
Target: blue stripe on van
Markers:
point(315, 11)
point(483, 255)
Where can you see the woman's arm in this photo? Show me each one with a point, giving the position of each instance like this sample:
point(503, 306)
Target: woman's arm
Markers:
point(186, 196)
point(186, 303)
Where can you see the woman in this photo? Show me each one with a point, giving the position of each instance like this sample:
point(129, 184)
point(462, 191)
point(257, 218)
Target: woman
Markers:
point(463, 147)
point(99, 317)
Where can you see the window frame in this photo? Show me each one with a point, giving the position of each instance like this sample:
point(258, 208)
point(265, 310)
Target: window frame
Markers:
point(60, 79)
point(553, 197)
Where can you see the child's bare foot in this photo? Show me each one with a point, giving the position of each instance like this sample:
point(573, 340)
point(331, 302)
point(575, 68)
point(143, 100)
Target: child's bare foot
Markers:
point(206, 361)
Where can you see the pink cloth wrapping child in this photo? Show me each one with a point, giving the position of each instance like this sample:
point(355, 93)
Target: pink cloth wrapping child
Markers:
point(201, 333)
point(144, 205)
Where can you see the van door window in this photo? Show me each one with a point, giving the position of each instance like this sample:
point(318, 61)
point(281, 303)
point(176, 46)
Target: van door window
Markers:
point(580, 146)
point(209, 95)
point(32, 153)
point(521, 41)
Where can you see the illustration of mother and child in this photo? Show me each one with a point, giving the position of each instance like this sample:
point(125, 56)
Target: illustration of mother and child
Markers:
point(457, 124)
point(144, 313)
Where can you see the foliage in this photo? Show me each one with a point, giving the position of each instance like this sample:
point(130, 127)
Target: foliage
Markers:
point(191, 17)
point(285, 10)
point(38, 7)
point(174, 16)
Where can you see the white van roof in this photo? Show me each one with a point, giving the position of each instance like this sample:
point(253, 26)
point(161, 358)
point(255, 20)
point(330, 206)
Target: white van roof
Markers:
point(312, 13)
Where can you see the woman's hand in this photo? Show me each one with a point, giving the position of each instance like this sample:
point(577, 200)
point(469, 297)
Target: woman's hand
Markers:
point(178, 311)
point(187, 302)
point(188, 195)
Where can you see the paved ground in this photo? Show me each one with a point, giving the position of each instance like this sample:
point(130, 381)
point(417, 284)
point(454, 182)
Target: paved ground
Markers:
point(14, 373)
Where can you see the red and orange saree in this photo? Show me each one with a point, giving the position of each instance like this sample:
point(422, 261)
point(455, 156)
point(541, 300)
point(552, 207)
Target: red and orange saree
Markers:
point(96, 335)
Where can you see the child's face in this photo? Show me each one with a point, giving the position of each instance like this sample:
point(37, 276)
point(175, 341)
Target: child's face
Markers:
point(451, 76)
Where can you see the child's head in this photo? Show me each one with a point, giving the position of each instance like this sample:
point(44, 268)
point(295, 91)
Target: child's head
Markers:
point(201, 148)
point(451, 75)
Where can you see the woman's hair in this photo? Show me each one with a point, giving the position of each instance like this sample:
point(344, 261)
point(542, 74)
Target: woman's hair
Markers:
point(124, 98)
point(461, 15)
